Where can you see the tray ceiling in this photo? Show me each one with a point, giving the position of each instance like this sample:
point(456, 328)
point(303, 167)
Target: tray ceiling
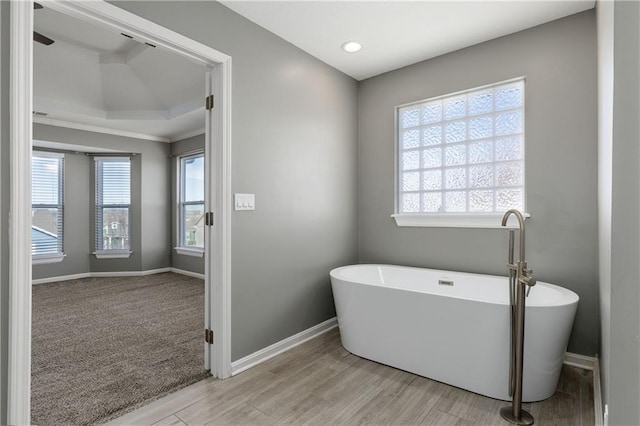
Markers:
point(93, 77)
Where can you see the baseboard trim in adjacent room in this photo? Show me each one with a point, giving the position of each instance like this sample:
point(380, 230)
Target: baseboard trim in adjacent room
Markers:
point(61, 278)
point(115, 274)
point(108, 274)
point(282, 346)
point(592, 364)
point(187, 273)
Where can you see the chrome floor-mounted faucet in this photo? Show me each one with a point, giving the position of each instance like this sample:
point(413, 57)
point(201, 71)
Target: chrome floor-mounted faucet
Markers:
point(519, 277)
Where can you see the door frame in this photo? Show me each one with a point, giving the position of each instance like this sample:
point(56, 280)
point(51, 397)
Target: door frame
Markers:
point(217, 143)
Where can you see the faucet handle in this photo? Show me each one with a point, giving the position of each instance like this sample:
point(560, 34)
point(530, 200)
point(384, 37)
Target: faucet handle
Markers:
point(530, 281)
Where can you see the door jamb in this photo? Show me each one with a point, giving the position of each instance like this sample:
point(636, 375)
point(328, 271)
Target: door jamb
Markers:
point(20, 122)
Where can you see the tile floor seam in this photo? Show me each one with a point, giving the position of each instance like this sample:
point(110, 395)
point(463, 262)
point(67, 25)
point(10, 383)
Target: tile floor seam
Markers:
point(192, 403)
point(164, 419)
point(456, 416)
point(318, 396)
point(396, 395)
point(178, 417)
point(256, 408)
point(433, 407)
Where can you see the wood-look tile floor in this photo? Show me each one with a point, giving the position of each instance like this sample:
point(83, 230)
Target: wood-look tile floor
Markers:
point(319, 382)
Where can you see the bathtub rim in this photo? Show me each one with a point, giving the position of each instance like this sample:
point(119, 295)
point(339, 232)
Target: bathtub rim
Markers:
point(567, 296)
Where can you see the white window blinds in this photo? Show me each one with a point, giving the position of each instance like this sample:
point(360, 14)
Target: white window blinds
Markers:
point(113, 203)
point(47, 203)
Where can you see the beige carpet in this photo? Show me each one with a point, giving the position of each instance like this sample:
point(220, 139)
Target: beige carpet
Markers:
point(103, 346)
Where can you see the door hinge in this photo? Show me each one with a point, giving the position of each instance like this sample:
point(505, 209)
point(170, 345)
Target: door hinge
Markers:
point(208, 219)
point(208, 336)
point(208, 102)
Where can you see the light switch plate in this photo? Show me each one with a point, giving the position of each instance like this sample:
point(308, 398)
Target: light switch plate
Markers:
point(245, 201)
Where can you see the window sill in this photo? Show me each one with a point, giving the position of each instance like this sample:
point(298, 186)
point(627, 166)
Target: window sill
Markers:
point(112, 254)
point(455, 220)
point(44, 259)
point(195, 252)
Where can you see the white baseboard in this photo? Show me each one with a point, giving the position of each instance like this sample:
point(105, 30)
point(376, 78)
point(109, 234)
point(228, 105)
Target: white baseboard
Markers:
point(129, 273)
point(580, 361)
point(61, 278)
point(592, 364)
point(187, 273)
point(597, 395)
point(115, 274)
point(282, 346)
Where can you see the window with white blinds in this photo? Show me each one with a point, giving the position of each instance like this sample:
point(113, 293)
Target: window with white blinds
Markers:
point(462, 154)
point(47, 204)
point(191, 192)
point(113, 204)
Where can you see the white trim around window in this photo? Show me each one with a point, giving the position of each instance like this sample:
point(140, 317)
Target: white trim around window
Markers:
point(112, 254)
point(195, 252)
point(188, 239)
point(45, 259)
point(452, 220)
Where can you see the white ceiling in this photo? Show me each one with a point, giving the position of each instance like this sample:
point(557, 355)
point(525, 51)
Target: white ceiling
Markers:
point(397, 33)
point(97, 80)
point(93, 79)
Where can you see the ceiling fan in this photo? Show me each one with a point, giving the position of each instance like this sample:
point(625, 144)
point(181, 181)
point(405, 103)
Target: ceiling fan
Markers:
point(36, 35)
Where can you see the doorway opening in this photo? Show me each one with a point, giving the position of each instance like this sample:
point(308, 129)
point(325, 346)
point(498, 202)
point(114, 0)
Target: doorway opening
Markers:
point(217, 202)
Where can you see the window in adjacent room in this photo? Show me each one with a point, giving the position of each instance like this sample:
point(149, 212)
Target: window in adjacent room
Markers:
point(191, 205)
point(113, 206)
point(461, 157)
point(47, 207)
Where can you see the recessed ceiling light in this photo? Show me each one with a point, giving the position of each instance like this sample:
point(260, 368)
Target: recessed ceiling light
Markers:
point(351, 46)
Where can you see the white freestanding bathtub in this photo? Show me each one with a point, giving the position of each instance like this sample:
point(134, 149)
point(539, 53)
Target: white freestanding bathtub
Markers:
point(414, 320)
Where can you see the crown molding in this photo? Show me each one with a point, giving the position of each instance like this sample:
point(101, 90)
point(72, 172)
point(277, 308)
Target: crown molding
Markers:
point(97, 129)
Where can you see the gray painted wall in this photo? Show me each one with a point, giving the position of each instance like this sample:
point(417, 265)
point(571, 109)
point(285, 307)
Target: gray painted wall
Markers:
point(559, 62)
point(181, 261)
point(155, 199)
point(623, 375)
point(294, 146)
point(150, 198)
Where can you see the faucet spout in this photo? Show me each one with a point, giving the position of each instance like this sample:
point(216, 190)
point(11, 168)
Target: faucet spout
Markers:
point(521, 232)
